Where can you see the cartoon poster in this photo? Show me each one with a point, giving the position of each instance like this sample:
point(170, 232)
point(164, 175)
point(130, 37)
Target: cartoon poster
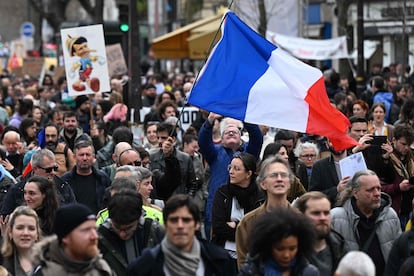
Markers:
point(85, 60)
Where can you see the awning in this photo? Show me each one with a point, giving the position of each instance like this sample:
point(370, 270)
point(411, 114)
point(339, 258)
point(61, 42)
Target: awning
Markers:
point(191, 41)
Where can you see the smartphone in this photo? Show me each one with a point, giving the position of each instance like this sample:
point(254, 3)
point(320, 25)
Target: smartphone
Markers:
point(411, 180)
point(376, 143)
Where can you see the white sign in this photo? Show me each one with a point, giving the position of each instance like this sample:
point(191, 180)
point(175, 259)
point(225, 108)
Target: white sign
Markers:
point(352, 164)
point(85, 60)
point(188, 116)
point(314, 49)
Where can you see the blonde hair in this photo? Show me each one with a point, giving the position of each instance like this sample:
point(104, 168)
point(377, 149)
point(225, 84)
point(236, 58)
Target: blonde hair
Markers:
point(8, 244)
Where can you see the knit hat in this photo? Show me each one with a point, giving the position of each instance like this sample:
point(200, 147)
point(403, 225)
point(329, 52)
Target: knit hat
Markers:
point(70, 216)
point(80, 100)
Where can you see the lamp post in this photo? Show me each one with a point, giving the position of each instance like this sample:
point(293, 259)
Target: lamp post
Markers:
point(360, 38)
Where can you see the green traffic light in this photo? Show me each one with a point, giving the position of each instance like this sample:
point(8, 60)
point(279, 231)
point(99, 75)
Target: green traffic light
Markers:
point(124, 27)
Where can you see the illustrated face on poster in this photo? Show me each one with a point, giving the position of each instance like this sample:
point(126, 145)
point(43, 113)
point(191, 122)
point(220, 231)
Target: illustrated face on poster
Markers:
point(85, 60)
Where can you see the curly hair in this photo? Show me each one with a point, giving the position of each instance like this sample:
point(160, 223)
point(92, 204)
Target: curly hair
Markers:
point(277, 225)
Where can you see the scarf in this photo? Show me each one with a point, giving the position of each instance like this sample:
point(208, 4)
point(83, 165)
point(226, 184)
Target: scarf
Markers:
point(272, 268)
point(246, 197)
point(403, 170)
point(178, 262)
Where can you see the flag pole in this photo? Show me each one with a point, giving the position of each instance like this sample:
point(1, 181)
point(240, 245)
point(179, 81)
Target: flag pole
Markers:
point(201, 66)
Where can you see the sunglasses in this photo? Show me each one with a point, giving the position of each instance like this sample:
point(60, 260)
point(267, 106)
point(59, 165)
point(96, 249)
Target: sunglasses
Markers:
point(50, 169)
point(136, 163)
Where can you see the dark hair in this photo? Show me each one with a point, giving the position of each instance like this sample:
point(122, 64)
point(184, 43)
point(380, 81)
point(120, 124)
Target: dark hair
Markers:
point(357, 119)
point(301, 202)
point(69, 114)
point(188, 138)
point(122, 134)
point(106, 106)
point(407, 111)
point(50, 202)
point(281, 223)
point(272, 149)
point(284, 134)
point(178, 201)
point(125, 207)
point(26, 123)
point(170, 129)
point(163, 106)
point(25, 106)
point(379, 104)
point(143, 153)
point(248, 160)
point(51, 124)
point(378, 82)
point(403, 131)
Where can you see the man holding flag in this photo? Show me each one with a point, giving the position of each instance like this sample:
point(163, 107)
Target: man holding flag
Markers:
point(219, 156)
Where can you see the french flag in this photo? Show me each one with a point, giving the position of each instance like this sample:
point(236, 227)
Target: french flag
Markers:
point(248, 78)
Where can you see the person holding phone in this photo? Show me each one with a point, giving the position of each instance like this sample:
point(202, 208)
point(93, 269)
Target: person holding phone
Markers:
point(401, 161)
point(378, 126)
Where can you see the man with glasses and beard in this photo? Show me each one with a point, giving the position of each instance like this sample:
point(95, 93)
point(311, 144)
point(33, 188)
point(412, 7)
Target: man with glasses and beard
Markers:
point(63, 154)
point(43, 164)
point(330, 245)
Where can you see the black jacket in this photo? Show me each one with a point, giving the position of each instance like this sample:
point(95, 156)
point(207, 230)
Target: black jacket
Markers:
point(402, 248)
point(113, 248)
point(222, 211)
point(15, 195)
point(151, 263)
point(102, 182)
point(324, 178)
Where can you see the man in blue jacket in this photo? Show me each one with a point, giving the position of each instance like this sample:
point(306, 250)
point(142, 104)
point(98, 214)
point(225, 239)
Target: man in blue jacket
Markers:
point(219, 156)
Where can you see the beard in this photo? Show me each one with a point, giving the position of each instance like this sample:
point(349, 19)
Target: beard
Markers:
point(70, 131)
point(322, 231)
point(51, 145)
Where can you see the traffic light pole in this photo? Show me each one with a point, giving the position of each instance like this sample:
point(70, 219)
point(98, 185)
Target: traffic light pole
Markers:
point(134, 62)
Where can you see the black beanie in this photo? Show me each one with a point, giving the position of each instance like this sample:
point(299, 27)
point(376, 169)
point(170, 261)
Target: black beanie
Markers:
point(70, 216)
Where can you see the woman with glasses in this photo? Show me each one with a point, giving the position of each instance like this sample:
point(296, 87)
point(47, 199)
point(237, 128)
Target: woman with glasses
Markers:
point(235, 199)
point(297, 189)
point(308, 154)
point(21, 234)
point(40, 195)
point(280, 244)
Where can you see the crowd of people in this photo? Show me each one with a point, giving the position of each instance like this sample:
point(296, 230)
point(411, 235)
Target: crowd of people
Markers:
point(79, 195)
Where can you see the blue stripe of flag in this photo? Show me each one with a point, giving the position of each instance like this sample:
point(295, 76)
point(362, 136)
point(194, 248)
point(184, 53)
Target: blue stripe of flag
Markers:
point(237, 62)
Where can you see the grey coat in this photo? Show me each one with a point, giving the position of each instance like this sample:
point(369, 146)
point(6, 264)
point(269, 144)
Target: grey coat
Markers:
point(345, 221)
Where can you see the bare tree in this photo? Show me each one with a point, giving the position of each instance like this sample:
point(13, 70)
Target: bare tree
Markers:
point(55, 11)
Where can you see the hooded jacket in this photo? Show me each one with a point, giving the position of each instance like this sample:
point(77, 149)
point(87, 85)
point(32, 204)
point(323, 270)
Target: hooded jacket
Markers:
point(50, 259)
point(345, 221)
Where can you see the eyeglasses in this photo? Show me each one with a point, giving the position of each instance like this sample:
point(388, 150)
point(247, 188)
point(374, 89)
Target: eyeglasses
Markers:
point(136, 163)
point(308, 156)
point(50, 169)
point(231, 132)
point(275, 175)
point(176, 219)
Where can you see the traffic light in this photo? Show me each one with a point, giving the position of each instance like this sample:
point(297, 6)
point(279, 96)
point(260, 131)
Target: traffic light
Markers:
point(123, 18)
